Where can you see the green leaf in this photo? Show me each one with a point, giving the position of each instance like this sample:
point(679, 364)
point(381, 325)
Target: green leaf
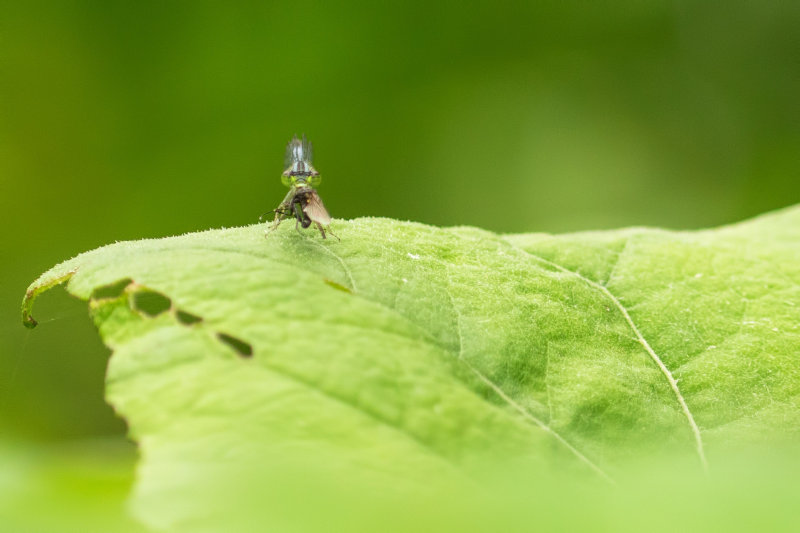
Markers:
point(420, 358)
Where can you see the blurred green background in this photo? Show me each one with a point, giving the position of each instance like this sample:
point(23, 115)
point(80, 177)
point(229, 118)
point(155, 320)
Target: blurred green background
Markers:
point(124, 120)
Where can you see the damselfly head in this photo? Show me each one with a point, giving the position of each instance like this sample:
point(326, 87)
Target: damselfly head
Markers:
point(299, 170)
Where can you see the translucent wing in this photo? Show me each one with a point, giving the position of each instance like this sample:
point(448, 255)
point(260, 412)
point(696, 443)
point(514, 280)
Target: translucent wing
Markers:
point(316, 210)
point(298, 151)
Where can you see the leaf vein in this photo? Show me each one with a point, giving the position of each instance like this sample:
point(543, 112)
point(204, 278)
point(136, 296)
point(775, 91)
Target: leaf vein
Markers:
point(341, 262)
point(673, 383)
point(516, 406)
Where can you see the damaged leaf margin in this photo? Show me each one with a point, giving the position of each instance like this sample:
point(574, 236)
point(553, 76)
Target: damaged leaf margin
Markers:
point(463, 342)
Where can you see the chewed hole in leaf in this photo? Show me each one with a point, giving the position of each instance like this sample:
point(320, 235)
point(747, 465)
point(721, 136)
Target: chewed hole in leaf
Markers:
point(186, 318)
point(242, 348)
point(150, 303)
point(112, 290)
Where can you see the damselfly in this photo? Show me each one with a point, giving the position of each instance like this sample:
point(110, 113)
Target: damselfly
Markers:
point(302, 202)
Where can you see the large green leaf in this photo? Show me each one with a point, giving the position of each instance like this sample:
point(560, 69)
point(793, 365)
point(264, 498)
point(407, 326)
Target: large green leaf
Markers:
point(416, 358)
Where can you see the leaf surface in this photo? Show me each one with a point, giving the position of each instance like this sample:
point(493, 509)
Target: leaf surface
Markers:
point(414, 357)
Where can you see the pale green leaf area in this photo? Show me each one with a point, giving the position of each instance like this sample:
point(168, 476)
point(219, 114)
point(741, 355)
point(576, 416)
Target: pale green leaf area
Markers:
point(256, 373)
point(67, 487)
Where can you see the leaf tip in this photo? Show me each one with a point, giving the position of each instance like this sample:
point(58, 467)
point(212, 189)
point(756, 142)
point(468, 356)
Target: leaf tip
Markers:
point(28, 321)
point(37, 287)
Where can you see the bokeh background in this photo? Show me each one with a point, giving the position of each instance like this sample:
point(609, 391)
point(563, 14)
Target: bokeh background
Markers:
point(124, 120)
